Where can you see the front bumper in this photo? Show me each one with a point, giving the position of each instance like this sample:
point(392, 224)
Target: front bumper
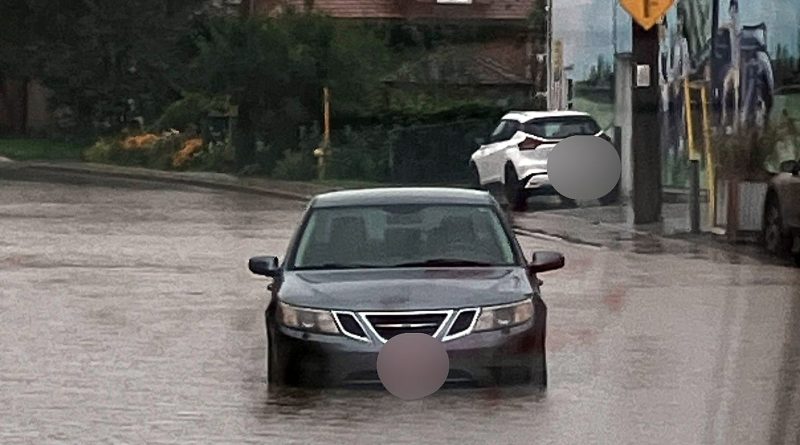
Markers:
point(477, 359)
point(538, 183)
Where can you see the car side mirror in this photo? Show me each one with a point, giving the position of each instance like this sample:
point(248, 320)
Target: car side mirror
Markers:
point(264, 265)
point(792, 167)
point(544, 261)
point(480, 141)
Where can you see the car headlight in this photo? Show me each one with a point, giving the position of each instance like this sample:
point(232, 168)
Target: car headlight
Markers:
point(306, 319)
point(507, 315)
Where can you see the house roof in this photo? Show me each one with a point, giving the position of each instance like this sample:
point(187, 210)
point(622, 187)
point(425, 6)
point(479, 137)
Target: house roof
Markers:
point(413, 9)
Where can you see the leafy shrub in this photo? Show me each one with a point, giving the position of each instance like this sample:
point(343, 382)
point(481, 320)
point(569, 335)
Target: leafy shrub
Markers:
point(161, 153)
point(101, 150)
point(190, 149)
point(145, 150)
point(189, 111)
point(217, 156)
point(296, 165)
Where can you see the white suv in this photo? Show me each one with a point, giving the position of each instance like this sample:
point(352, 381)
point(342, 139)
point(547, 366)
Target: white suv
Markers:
point(514, 157)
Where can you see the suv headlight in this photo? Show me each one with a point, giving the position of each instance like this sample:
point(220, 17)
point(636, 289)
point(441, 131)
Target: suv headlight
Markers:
point(306, 319)
point(507, 315)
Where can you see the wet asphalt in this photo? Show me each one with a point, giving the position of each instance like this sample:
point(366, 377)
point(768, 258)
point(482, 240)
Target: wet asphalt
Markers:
point(128, 316)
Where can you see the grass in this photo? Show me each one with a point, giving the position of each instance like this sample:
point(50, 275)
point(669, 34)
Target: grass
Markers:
point(603, 112)
point(40, 149)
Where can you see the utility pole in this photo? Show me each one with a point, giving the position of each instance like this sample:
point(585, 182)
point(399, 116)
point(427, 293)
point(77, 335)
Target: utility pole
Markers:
point(549, 20)
point(614, 27)
point(646, 199)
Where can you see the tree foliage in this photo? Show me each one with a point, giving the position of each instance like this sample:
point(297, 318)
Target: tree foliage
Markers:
point(98, 55)
point(274, 70)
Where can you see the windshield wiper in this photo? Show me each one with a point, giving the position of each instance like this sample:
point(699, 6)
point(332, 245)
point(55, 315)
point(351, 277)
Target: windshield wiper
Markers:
point(444, 262)
point(338, 266)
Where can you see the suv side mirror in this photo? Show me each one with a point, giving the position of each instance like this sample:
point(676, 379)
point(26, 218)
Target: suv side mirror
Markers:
point(264, 265)
point(480, 141)
point(544, 261)
point(792, 167)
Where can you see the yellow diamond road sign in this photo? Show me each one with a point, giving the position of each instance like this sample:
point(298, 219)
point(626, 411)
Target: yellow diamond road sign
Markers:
point(647, 13)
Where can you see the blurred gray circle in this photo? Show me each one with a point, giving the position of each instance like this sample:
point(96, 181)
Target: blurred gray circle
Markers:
point(413, 366)
point(584, 167)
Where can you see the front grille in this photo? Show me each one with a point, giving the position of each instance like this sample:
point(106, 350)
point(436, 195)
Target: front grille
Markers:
point(389, 325)
point(351, 326)
point(462, 322)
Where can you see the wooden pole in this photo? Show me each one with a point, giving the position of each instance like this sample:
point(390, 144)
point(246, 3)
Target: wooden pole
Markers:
point(324, 152)
point(711, 178)
point(694, 161)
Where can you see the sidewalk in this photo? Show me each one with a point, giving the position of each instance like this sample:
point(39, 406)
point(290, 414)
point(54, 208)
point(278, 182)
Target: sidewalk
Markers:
point(298, 191)
point(602, 225)
point(610, 227)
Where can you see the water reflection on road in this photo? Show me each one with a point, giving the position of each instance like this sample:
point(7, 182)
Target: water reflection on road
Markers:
point(128, 316)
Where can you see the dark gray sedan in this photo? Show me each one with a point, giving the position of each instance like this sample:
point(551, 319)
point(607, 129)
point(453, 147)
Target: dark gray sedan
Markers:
point(368, 265)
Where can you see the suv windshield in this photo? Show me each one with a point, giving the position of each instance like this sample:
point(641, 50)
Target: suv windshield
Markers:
point(403, 236)
point(562, 127)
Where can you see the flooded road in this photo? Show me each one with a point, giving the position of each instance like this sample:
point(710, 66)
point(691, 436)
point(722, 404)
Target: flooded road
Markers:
point(128, 316)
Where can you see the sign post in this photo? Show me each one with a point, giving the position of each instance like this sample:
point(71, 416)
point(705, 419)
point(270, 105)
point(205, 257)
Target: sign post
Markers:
point(646, 196)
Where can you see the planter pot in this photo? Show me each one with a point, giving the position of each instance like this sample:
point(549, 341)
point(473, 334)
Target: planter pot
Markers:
point(740, 205)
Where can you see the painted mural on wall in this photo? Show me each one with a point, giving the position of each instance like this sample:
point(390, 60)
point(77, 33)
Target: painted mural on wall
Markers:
point(754, 79)
point(756, 61)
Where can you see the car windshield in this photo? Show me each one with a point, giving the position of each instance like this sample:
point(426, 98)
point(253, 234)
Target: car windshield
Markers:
point(403, 236)
point(562, 127)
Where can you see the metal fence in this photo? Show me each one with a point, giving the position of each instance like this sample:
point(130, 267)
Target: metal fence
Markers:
point(436, 154)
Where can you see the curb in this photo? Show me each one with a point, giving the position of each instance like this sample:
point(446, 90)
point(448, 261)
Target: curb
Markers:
point(166, 177)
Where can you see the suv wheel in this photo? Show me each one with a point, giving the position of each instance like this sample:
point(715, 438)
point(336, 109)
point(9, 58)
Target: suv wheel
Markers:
point(775, 239)
point(515, 195)
point(610, 198)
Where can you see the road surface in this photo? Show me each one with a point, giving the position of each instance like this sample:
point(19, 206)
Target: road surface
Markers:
point(128, 316)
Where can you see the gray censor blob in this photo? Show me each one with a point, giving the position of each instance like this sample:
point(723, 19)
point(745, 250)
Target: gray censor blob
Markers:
point(584, 167)
point(413, 366)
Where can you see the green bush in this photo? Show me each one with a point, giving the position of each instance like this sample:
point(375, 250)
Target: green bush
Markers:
point(188, 112)
point(296, 165)
point(216, 157)
point(160, 154)
point(101, 150)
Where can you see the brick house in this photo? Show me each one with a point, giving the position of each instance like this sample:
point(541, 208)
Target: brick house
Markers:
point(505, 65)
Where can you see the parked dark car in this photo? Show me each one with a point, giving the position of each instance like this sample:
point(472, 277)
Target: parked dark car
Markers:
point(782, 212)
point(367, 265)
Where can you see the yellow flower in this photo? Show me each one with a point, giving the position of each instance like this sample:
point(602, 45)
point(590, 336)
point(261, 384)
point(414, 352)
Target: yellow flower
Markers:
point(190, 149)
point(142, 141)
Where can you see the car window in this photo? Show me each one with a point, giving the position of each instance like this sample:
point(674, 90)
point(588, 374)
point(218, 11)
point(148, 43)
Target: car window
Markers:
point(562, 127)
point(389, 236)
point(504, 131)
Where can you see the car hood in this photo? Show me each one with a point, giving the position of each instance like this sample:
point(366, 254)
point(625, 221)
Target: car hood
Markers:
point(405, 289)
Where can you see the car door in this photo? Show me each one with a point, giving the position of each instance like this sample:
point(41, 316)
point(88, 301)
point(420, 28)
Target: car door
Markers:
point(490, 159)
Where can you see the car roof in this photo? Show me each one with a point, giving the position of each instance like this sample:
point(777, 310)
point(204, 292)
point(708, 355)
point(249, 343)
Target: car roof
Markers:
point(527, 116)
point(402, 195)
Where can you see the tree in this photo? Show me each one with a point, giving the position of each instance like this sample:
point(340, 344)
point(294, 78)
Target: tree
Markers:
point(274, 70)
point(95, 55)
